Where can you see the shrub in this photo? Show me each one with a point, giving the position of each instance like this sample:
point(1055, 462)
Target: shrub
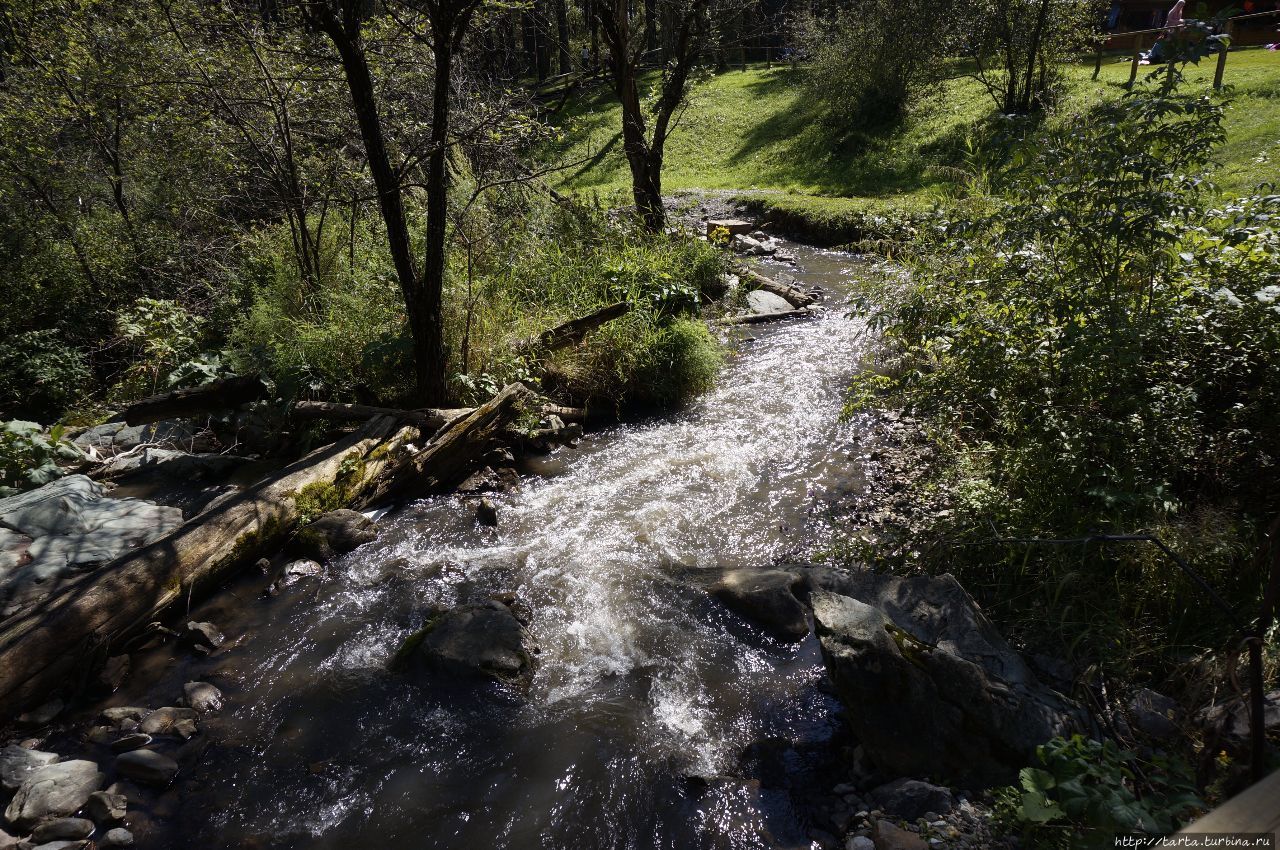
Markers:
point(40, 375)
point(29, 456)
point(163, 334)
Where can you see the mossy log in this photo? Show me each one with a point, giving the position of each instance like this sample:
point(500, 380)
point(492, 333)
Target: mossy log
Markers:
point(760, 318)
point(40, 648)
point(427, 420)
point(793, 295)
point(574, 331)
point(224, 394)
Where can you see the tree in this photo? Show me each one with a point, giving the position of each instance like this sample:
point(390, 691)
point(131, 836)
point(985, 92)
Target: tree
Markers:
point(423, 289)
point(1017, 43)
point(626, 45)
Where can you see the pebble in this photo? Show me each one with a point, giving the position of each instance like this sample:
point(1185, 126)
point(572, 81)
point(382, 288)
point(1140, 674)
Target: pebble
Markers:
point(147, 767)
point(131, 741)
point(107, 806)
point(118, 837)
point(859, 842)
point(202, 696)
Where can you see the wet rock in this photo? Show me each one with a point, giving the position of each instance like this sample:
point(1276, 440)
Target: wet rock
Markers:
point(17, 763)
point(294, 572)
point(164, 721)
point(332, 534)
point(763, 303)
point(129, 742)
point(120, 715)
point(107, 806)
point(490, 480)
point(752, 247)
point(118, 837)
point(7, 841)
point(43, 715)
point(114, 672)
point(202, 696)
point(60, 845)
point(910, 799)
point(765, 597)
point(487, 512)
point(887, 836)
point(54, 791)
point(147, 767)
point(951, 697)
point(202, 636)
point(859, 842)
point(62, 829)
point(484, 640)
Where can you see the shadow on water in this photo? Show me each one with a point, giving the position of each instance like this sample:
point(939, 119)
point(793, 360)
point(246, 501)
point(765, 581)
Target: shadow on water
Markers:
point(656, 718)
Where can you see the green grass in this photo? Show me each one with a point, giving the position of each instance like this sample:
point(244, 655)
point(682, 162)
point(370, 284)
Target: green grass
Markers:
point(758, 131)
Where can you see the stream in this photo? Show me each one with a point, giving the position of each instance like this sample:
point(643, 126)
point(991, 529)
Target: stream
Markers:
point(655, 719)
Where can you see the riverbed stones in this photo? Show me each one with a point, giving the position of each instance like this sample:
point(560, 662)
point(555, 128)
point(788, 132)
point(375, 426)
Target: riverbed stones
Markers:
point(118, 837)
point(62, 829)
point(132, 741)
point(17, 763)
point(107, 806)
point(332, 534)
point(147, 767)
point(169, 720)
point(118, 716)
point(483, 640)
point(889, 836)
point(54, 791)
point(202, 636)
point(911, 799)
point(762, 303)
point(202, 696)
point(765, 597)
point(929, 686)
point(487, 512)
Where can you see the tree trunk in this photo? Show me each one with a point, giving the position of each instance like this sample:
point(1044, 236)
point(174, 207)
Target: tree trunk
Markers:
point(562, 36)
point(650, 25)
point(573, 331)
point(428, 421)
point(432, 384)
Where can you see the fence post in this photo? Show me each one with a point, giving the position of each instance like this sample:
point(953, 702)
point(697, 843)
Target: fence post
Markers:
point(1222, 59)
point(1137, 55)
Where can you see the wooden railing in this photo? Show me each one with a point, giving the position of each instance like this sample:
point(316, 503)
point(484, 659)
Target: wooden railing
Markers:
point(1139, 39)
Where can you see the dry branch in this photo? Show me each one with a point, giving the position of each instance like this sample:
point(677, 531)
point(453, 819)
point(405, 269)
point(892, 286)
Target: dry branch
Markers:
point(574, 331)
point(224, 394)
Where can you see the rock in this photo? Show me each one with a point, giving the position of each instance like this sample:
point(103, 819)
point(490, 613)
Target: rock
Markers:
point(733, 226)
point(17, 763)
point(765, 303)
point(163, 721)
point(332, 534)
point(107, 807)
point(54, 791)
point(929, 685)
point(43, 714)
point(471, 640)
point(887, 836)
point(743, 244)
point(119, 715)
point(118, 837)
point(859, 842)
point(765, 597)
point(202, 696)
point(60, 845)
point(129, 742)
point(910, 799)
point(1153, 714)
point(62, 829)
point(294, 572)
point(490, 480)
point(147, 767)
point(55, 508)
point(8, 842)
point(487, 512)
point(1229, 722)
point(13, 550)
point(113, 438)
point(114, 672)
point(203, 636)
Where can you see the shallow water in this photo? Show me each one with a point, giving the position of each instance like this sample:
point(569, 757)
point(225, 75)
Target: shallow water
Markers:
point(656, 718)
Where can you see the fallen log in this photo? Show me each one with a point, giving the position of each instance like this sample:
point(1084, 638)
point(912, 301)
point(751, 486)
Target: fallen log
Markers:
point(427, 420)
point(39, 648)
point(573, 331)
point(793, 295)
point(223, 394)
point(566, 414)
point(454, 453)
point(758, 318)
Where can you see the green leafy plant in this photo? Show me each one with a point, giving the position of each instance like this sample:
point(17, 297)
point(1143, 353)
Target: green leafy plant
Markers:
point(40, 375)
point(164, 334)
point(1089, 790)
point(29, 456)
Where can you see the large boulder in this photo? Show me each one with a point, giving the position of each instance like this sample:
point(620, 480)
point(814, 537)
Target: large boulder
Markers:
point(17, 763)
point(930, 687)
point(765, 597)
point(54, 791)
point(484, 640)
point(332, 534)
point(761, 302)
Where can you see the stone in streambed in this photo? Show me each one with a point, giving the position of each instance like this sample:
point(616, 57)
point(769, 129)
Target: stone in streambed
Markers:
point(202, 636)
point(17, 763)
point(62, 829)
point(54, 791)
point(484, 640)
point(118, 716)
point(107, 807)
point(129, 742)
point(765, 597)
point(202, 696)
point(887, 836)
point(332, 534)
point(118, 837)
point(487, 512)
point(910, 799)
point(147, 767)
point(764, 303)
point(168, 720)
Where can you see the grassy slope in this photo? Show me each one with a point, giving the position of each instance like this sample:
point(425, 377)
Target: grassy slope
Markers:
point(757, 130)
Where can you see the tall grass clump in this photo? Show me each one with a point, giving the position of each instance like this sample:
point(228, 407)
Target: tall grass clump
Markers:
point(1099, 352)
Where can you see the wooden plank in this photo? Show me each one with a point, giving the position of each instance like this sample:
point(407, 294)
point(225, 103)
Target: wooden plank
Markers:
point(1256, 809)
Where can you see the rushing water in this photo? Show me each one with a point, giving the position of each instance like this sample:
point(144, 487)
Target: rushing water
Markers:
point(656, 718)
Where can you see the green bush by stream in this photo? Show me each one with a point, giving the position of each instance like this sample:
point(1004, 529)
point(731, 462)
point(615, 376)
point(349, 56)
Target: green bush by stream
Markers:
point(1096, 347)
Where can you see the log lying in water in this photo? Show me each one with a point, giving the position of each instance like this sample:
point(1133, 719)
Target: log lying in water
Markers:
point(41, 649)
point(224, 394)
point(758, 318)
point(454, 453)
point(574, 331)
point(566, 414)
point(793, 295)
point(427, 420)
